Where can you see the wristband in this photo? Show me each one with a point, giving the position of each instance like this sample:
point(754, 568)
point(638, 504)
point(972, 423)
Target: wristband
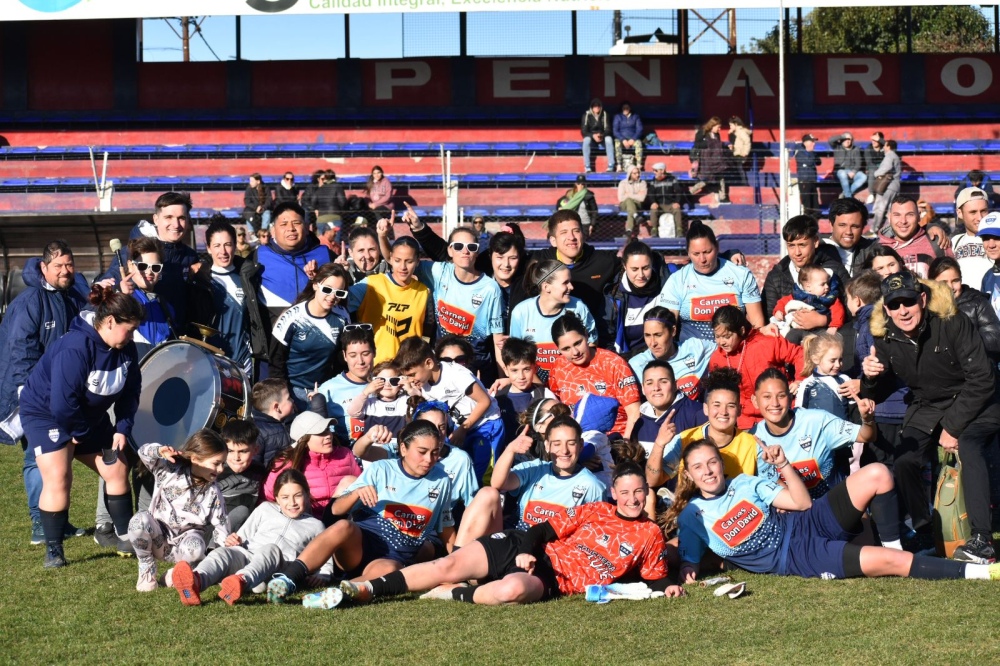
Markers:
point(783, 466)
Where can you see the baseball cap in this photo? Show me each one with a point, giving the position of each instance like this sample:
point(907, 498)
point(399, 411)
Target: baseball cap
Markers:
point(659, 166)
point(808, 137)
point(968, 194)
point(989, 225)
point(900, 285)
point(309, 423)
point(581, 179)
point(847, 135)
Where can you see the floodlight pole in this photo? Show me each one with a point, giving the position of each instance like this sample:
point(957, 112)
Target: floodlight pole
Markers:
point(782, 149)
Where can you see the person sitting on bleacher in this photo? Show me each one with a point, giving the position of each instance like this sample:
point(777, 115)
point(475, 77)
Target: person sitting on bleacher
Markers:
point(980, 180)
point(627, 128)
point(873, 154)
point(286, 190)
point(171, 220)
point(631, 196)
point(891, 168)
point(595, 127)
point(581, 200)
point(847, 164)
point(54, 293)
point(664, 198)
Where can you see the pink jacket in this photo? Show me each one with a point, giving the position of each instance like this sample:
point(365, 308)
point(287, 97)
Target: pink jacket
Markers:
point(381, 193)
point(323, 472)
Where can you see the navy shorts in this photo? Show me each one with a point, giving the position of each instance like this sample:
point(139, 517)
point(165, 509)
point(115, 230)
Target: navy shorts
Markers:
point(818, 538)
point(502, 549)
point(374, 547)
point(45, 437)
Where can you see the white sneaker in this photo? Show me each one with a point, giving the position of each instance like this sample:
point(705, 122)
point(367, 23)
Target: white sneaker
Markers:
point(870, 199)
point(147, 577)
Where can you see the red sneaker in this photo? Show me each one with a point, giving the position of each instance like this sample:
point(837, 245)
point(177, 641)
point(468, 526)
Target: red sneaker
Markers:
point(188, 584)
point(231, 588)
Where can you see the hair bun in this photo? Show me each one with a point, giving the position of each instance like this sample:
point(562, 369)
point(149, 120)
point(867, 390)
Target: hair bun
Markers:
point(99, 294)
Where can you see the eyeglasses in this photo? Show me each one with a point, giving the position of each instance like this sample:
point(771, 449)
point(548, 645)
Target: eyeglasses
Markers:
point(339, 293)
point(357, 327)
point(143, 267)
point(461, 359)
point(458, 247)
point(901, 303)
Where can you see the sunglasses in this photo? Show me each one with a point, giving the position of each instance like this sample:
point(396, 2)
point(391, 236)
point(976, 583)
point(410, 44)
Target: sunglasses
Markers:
point(901, 302)
point(358, 327)
point(458, 247)
point(339, 293)
point(461, 359)
point(391, 381)
point(289, 178)
point(143, 267)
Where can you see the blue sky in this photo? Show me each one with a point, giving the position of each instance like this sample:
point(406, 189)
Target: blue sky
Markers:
point(297, 37)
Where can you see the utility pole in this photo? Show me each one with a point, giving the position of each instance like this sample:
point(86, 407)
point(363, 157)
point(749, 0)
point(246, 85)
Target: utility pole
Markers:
point(186, 37)
point(616, 26)
point(732, 31)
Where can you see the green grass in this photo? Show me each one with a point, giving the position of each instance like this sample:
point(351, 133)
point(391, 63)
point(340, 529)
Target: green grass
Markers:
point(89, 612)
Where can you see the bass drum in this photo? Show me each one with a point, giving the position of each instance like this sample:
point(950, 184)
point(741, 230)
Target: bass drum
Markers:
point(187, 386)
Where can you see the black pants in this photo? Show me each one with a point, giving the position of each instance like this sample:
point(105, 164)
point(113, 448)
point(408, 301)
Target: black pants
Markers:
point(810, 198)
point(916, 448)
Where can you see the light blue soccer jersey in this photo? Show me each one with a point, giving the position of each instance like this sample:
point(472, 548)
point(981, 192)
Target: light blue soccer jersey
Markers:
point(339, 392)
point(696, 296)
point(689, 364)
point(458, 466)
point(311, 342)
point(528, 323)
point(471, 310)
point(809, 445)
point(738, 525)
point(543, 493)
point(408, 508)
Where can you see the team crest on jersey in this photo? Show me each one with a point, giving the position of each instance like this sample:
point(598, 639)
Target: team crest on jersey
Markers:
point(578, 492)
point(477, 300)
point(54, 434)
point(690, 362)
point(433, 494)
point(601, 387)
point(625, 549)
point(729, 282)
point(805, 442)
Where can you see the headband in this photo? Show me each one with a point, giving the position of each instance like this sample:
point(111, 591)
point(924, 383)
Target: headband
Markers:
point(560, 265)
point(534, 415)
point(431, 406)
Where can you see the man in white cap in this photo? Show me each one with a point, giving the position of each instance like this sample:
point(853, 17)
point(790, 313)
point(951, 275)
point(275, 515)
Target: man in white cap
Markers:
point(665, 198)
point(970, 207)
point(989, 233)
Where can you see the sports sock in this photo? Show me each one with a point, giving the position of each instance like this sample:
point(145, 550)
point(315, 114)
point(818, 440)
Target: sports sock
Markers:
point(120, 509)
point(935, 568)
point(464, 593)
point(977, 571)
point(53, 524)
point(895, 544)
point(297, 571)
point(389, 585)
point(885, 513)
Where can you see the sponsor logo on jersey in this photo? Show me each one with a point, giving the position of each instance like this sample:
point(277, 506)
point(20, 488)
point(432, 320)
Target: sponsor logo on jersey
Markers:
point(625, 549)
point(628, 380)
point(498, 535)
point(739, 523)
point(703, 307)
point(301, 335)
point(454, 320)
point(398, 327)
point(538, 512)
point(805, 442)
point(689, 386)
point(809, 471)
point(603, 540)
point(547, 355)
point(408, 519)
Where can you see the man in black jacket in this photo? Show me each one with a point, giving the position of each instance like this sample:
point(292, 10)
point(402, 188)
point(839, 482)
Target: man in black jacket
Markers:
point(595, 127)
point(664, 198)
point(922, 338)
point(848, 218)
point(806, 161)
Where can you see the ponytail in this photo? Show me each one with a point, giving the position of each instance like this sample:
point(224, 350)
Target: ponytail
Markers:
point(686, 491)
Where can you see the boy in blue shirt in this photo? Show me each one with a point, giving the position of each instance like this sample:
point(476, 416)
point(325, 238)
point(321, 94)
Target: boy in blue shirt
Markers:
point(519, 358)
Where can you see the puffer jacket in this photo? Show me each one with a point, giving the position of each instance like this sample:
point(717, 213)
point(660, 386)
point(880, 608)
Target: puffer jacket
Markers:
point(976, 305)
point(273, 438)
point(323, 472)
point(945, 366)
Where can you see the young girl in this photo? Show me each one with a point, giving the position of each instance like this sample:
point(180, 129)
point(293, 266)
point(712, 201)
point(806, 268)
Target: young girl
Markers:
point(185, 501)
point(550, 283)
point(275, 532)
point(341, 390)
point(885, 261)
point(749, 353)
point(394, 305)
point(582, 369)
point(394, 506)
point(541, 487)
point(316, 453)
point(734, 518)
point(307, 333)
point(455, 349)
point(380, 403)
point(823, 356)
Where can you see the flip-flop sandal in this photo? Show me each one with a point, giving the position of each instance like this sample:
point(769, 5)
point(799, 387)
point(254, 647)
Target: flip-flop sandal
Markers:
point(732, 591)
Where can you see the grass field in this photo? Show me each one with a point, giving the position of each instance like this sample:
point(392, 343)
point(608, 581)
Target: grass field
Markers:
point(89, 612)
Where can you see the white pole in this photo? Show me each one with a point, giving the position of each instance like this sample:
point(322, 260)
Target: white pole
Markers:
point(783, 151)
point(104, 172)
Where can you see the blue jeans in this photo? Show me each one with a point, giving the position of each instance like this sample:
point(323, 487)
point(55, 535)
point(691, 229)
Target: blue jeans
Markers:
point(850, 187)
point(265, 219)
point(609, 149)
point(32, 482)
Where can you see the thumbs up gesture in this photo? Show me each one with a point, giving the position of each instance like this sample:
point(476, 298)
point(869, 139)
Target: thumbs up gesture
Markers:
point(871, 366)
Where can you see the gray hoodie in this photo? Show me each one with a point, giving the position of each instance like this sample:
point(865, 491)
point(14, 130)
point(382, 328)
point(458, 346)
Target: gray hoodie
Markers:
point(268, 525)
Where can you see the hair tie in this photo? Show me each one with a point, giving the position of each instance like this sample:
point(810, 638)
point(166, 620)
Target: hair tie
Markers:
point(549, 274)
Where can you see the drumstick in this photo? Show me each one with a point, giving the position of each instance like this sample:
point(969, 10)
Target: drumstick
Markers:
point(116, 247)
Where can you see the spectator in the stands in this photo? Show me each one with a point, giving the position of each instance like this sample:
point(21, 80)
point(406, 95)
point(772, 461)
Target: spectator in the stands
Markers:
point(927, 213)
point(257, 203)
point(664, 198)
point(243, 248)
point(628, 134)
point(379, 192)
point(327, 234)
point(483, 236)
point(362, 257)
point(286, 190)
point(806, 162)
point(54, 293)
point(848, 164)
point(263, 237)
point(581, 200)
point(171, 220)
point(330, 201)
point(592, 271)
point(289, 261)
point(740, 144)
point(631, 196)
point(891, 168)
point(847, 221)
point(980, 180)
point(970, 208)
point(713, 160)
point(909, 240)
point(595, 128)
point(309, 195)
point(873, 154)
point(801, 235)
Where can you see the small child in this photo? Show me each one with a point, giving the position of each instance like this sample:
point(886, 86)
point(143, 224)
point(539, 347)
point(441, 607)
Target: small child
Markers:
point(185, 501)
point(480, 431)
point(380, 403)
point(272, 406)
point(816, 290)
point(275, 533)
point(520, 358)
point(823, 356)
point(242, 478)
point(453, 348)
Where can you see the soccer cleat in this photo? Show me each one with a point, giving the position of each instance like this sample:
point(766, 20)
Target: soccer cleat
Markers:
point(187, 583)
point(278, 588)
point(124, 548)
point(54, 557)
point(231, 588)
point(325, 600)
point(147, 576)
point(37, 533)
point(356, 592)
point(977, 550)
point(104, 536)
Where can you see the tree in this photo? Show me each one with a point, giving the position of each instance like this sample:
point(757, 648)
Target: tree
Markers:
point(936, 29)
